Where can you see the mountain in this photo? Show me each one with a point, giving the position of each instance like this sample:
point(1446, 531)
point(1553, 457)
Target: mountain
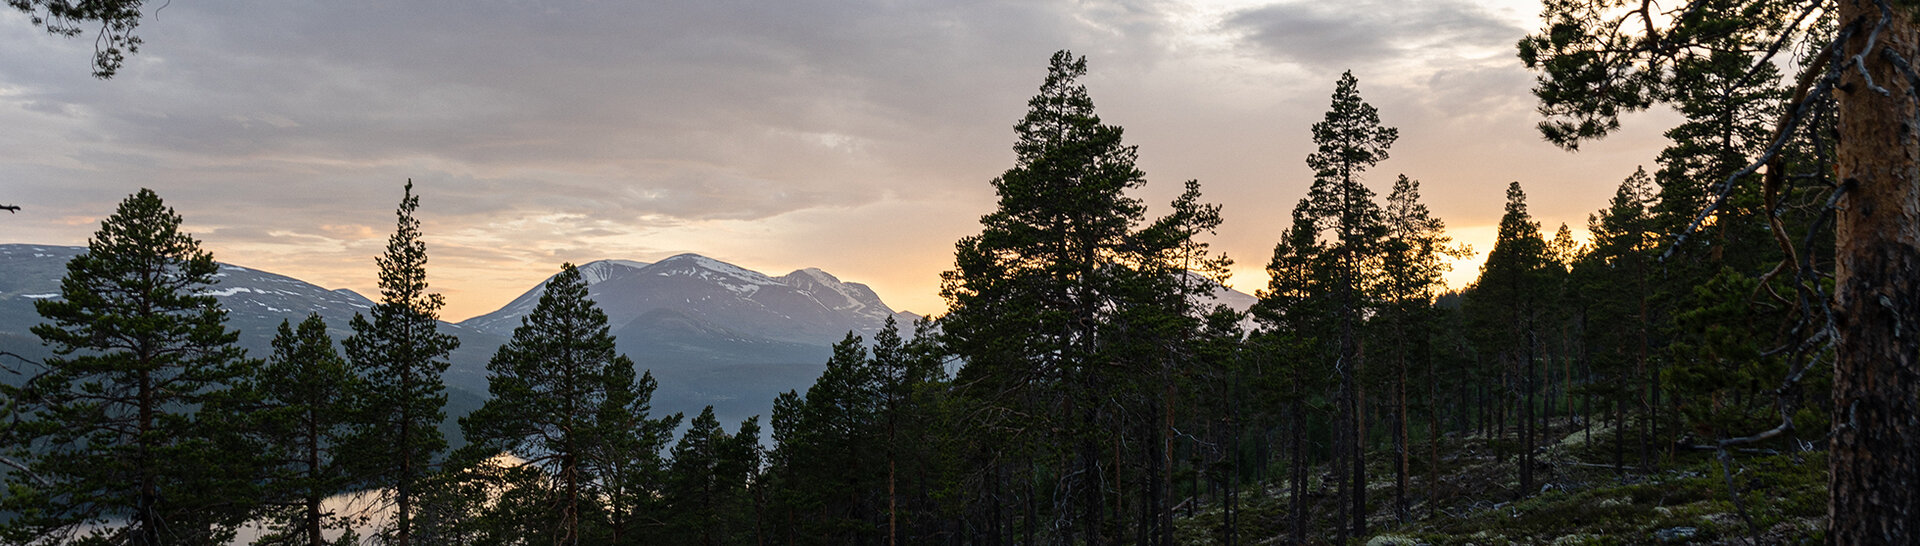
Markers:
point(256, 302)
point(807, 306)
point(716, 333)
point(711, 332)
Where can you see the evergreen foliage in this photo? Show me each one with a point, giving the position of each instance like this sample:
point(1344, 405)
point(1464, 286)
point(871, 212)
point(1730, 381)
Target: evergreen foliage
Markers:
point(708, 485)
point(562, 402)
point(308, 407)
point(1509, 301)
point(400, 354)
point(116, 444)
point(1081, 389)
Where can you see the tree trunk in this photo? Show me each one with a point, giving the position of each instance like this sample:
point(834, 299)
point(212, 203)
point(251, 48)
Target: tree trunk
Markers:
point(1359, 445)
point(1875, 450)
point(1527, 429)
point(1400, 445)
point(147, 521)
point(1296, 471)
point(1342, 449)
point(314, 495)
point(1433, 433)
point(403, 484)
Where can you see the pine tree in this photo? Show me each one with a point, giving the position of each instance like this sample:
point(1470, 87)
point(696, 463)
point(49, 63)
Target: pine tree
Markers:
point(895, 377)
point(1153, 336)
point(1411, 266)
point(832, 446)
point(1618, 285)
point(1028, 294)
point(630, 462)
point(550, 385)
point(1350, 140)
point(400, 353)
point(706, 488)
point(308, 400)
point(1598, 62)
point(117, 444)
point(1512, 293)
point(1294, 312)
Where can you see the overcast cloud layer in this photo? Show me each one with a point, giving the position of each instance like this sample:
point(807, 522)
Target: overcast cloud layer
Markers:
point(855, 136)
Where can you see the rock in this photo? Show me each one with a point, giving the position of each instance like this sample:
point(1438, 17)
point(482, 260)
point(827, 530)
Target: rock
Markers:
point(1391, 540)
point(1577, 539)
point(1676, 534)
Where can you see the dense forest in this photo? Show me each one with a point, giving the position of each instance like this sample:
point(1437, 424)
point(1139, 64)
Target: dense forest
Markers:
point(1730, 338)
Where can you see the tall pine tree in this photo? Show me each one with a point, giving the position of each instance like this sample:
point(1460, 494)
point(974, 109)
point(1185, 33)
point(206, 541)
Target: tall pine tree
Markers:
point(1028, 294)
point(1512, 297)
point(1411, 266)
point(400, 353)
point(1349, 141)
point(550, 385)
point(117, 446)
point(708, 486)
point(308, 401)
point(1597, 61)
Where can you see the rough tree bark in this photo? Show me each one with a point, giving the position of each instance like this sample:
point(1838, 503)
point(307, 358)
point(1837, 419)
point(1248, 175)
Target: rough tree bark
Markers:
point(1875, 449)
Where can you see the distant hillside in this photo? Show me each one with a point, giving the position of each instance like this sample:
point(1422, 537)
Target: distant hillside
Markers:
point(256, 302)
point(711, 332)
point(716, 333)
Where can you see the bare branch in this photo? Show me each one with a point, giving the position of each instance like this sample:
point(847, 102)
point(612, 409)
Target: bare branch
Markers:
point(1860, 59)
point(1778, 44)
point(42, 480)
point(1782, 132)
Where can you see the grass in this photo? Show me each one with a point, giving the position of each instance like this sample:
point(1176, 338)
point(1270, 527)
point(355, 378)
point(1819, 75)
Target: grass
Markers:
point(1585, 501)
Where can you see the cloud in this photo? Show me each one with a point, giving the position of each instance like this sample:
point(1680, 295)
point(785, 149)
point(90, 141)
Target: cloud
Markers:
point(852, 135)
point(1338, 35)
point(263, 121)
point(692, 110)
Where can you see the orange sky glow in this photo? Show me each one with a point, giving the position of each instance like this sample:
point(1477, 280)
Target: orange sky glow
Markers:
point(857, 138)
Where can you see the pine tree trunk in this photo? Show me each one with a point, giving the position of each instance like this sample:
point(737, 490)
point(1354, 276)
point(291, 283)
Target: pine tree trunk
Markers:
point(147, 520)
point(1526, 422)
point(1342, 449)
point(1400, 445)
point(1359, 445)
point(1619, 438)
point(1504, 405)
point(1163, 482)
point(403, 486)
point(1644, 407)
point(1232, 512)
point(1296, 471)
point(893, 506)
point(1433, 435)
point(1033, 507)
point(312, 515)
point(1875, 450)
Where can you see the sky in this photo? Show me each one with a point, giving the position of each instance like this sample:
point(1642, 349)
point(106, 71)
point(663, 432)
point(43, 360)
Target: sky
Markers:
point(857, 136)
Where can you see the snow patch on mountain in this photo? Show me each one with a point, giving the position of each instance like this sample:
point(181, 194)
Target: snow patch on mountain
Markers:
point(603, 270)
point(806, 306)
point(734, 278)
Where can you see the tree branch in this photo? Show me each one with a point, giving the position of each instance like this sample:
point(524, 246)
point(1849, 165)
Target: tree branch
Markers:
point(42, 480)
point(1782, 132)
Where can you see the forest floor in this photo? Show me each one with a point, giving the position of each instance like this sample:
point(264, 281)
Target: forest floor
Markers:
point(1581, 498)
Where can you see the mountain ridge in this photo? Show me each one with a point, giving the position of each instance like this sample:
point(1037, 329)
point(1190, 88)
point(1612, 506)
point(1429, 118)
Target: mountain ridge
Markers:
point(735, 339)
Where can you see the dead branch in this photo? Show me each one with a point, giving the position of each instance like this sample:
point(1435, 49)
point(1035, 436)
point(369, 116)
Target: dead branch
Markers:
point(42, 480)
point(1782, 132)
